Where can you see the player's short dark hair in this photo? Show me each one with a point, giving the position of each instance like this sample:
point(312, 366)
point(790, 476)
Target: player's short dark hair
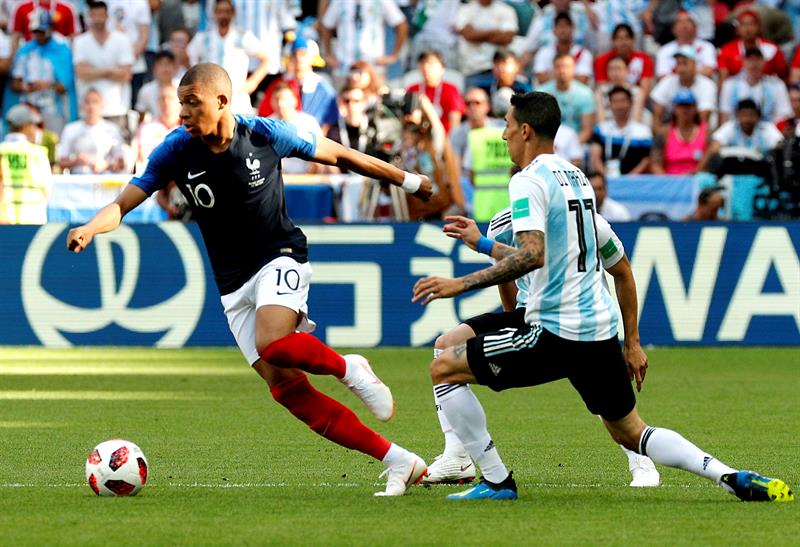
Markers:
point(164, 54)
point(748, 104)
point(620, 89)
point(430, 54)
point(502, 54)
point(623, 26)
point(97, 4)
point(208, 74)
point(539, 110)
point(563, 16)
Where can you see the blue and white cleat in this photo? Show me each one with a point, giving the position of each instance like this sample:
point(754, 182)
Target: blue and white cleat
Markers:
point(485, 490)
point(750, 486)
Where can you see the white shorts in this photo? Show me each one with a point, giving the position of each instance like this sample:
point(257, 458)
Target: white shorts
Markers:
point(282, 282)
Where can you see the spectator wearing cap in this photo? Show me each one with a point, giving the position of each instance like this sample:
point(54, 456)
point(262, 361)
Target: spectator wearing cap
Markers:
point(746, 131)
point(768, 92)
point(232, 49)
point(103, 60)
point(686, 76)
point(641, 67)
point(314, 94)
point(483, 25)
point(444, 96)
point(360, 33)
point(575, 99)
point(541, 31)
point(507, 80)
point(42, 74)
point(564, 43)
point(748, 30)
point(165, 73)
point(24, 170)
point(64, 17)
point(620, 145)
point(679, 151)
point(685, 30)
point(91, 145)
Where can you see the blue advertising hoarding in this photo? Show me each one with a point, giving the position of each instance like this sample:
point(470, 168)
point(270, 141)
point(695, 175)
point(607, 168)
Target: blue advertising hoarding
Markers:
point(151, 284)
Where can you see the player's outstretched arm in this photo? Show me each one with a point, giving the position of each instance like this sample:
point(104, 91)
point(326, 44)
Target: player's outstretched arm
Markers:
point(625, 285)
point(332, 153)
point(511, 265)
point(466, 230)
point(106, 219)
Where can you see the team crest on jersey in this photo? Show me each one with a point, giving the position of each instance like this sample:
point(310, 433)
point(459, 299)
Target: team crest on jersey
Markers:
point(254, 165)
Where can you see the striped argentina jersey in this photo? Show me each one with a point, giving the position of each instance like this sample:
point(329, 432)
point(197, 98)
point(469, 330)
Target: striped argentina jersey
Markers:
point(568, 295)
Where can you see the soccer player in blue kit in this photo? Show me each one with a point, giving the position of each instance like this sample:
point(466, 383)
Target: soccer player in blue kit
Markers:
point(228, 168)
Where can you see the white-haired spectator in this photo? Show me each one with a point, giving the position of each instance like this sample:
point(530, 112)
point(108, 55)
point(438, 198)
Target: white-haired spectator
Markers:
point(91, 145)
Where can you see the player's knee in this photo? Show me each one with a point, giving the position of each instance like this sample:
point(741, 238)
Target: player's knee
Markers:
point(441, 342)
point(440, 370)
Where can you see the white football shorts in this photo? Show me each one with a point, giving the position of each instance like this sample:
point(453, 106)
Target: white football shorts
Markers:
point(282, 282)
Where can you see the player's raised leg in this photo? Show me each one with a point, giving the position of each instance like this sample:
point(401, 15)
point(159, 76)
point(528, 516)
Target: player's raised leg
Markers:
point(666, 447)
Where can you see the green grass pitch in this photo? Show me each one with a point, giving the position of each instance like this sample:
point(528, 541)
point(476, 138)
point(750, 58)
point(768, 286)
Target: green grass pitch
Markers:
point(229, 466)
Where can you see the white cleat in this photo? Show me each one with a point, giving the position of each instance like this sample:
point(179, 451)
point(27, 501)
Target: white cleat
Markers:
point(448, 469)
point(644, 473)
point(402, 475)
point(368, 387)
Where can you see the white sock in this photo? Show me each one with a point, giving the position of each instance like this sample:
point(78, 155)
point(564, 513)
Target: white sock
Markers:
point(396, 454)
point(666, 447)
point(465, 414)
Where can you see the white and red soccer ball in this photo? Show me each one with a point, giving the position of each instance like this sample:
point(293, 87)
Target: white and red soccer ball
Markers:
point(116, 468)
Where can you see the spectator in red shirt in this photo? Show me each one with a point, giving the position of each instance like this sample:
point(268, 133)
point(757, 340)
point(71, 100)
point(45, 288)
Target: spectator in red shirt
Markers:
point(641, 68)
point(794, 77)
point(445, 97)
point(731, 55)
point(64, 16)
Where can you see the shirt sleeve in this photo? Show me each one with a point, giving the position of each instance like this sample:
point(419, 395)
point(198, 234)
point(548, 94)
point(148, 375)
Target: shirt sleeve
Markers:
point(707, 95)
point(611, 249)
point(251, 45)
point(772, 136)
point(159, 171)
point(659, 93)
point(725, 106)
point(79, 53)
point(392, 14)
point(125, 50)
point(288, 140)
point(724, 134)
point(528, 197)
point(508, 18)
point(707, 56)
point(331, 14)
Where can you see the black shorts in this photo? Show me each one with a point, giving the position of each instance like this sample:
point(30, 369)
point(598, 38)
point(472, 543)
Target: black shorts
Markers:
point(530, 356)
point(491, 322)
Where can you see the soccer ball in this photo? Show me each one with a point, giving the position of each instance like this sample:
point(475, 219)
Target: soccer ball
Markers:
point(116, 468)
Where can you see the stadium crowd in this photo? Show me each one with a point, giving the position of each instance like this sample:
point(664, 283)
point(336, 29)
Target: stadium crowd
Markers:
point(645, 87)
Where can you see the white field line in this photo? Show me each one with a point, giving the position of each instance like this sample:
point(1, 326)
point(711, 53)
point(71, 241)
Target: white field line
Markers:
point(119, 370)
point(48, 395)
point(281, 485)
point(22, 424)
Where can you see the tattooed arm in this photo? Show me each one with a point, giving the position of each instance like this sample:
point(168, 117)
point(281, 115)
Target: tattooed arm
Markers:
point(512, 264)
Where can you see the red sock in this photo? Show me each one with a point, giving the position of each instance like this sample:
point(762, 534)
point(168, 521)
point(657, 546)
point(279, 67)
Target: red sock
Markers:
point(303, 351)
point(329, 417)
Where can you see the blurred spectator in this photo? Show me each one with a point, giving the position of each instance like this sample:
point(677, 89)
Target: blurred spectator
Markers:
point(189, 15)
point(425, 149)
point(567, 145)
point(685, 30)
point(165, 71)
point(703, 89)
point(731, 55)
point(314, 94)
point(776, 22)
point(444, 96)
point(564, 44)
point(746, 131)
point(103, 60)
point(151, 132)
point(43, 76)
point(284, 107)
point(795, 74)
point(679, 151)
point(354, 128)
point(610, 15)
point(617, 69)
point(45, 137)
point(24, 170)
point(483, 26)
point(507, 80)
point(63, 15)
point(575, 99)
point(541, 34)
point(231, 48)
point(620, 145)
point(269, 21)
point(360, 32)
point(177, 44)
point(611, 210)
point(432, 27)
point(709, 202)
point(791, 125)
point(641, 68)
point(363, 76)
point(91, 145)
point(132, 18)
point(659, 17)
point(768, 92)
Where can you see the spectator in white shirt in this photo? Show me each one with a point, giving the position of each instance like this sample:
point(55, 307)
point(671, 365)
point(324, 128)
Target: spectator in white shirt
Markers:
point(704, 90)
point(484, 25)
point(611, 210)
point(564, 32)
point(269, 21)
point(685, 30)
point(165, 70)
point(152, 132)
point(567, 145)
point(232, 49)
point(91, 145)
point(284, 106)
point(103, 62)
point(132, 18)
point(768, 92)
point(434, 22)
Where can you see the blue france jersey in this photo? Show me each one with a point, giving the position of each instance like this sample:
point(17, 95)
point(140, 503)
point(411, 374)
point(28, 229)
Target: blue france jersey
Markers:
point(237, 195)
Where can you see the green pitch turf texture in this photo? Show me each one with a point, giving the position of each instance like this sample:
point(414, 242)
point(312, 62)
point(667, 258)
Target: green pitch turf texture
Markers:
point(229, 466)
